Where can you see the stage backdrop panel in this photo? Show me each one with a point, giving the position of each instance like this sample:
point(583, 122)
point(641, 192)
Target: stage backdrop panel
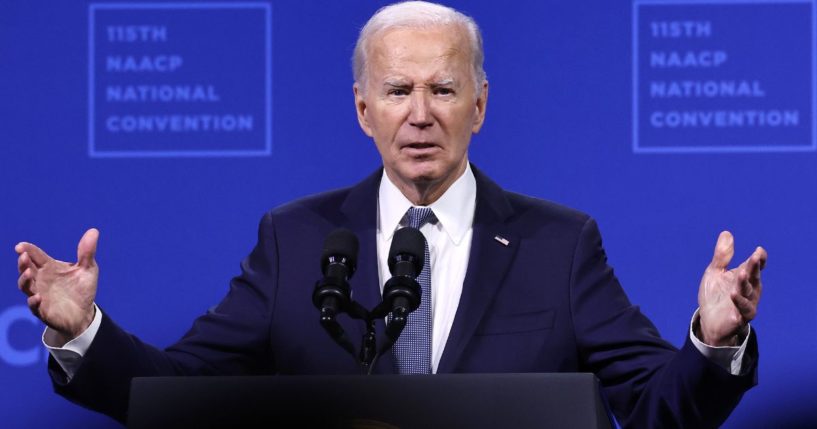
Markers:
point(172, 127)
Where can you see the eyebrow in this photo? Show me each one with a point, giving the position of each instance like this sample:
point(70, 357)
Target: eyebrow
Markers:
point(398, 83)
point(443, 82)
point(402, 83)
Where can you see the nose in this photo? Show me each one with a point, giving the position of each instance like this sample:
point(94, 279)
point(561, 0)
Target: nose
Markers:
point(420, 114)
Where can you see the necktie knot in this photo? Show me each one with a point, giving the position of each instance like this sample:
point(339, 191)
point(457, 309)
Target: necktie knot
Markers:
point(416, 217)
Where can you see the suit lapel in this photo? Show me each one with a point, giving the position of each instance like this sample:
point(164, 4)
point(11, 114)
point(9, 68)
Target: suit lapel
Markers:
point(488, 264)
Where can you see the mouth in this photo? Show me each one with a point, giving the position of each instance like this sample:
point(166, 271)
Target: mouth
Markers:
point(419, 148)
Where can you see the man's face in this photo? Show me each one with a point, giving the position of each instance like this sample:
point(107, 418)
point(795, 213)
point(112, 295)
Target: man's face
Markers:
point(420, 105)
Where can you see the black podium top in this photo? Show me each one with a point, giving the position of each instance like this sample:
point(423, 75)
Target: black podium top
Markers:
point(381, 401)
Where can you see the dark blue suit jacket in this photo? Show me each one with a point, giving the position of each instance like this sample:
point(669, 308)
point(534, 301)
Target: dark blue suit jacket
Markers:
point(547, 302)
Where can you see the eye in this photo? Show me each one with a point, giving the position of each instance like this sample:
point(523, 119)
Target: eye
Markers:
point(399, 92)
point(444, 91)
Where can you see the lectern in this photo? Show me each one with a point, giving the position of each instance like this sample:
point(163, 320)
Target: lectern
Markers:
point(378, 401)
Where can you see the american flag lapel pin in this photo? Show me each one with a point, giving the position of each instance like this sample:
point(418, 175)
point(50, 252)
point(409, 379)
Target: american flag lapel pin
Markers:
point(502, 240)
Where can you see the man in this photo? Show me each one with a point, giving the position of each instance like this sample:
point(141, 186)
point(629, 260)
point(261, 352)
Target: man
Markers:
point(516, 284)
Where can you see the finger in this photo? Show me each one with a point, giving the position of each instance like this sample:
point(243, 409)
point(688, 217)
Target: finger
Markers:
point(724, 250)
point(34, 304)
point(745, 306)
point(759, 258)
point(36, 254)
point(23, 262)
point(735, 281)
point(747, 280)
point(26, 282)
point(86, 249)
point(744, 286)
point(752, 267)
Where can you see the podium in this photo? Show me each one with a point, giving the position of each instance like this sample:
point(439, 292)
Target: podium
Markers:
point(378, 401)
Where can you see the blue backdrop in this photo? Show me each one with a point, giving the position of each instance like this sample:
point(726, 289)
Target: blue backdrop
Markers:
point(172, 127)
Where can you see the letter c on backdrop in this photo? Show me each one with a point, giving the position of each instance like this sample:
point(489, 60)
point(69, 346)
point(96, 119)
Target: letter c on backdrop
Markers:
point(8, 353)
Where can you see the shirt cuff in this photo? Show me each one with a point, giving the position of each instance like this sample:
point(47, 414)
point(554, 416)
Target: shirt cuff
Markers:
point(69, 356)
point(729, 358)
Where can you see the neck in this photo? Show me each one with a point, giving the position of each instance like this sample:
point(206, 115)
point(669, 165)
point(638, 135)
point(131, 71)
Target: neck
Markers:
point(424, 193)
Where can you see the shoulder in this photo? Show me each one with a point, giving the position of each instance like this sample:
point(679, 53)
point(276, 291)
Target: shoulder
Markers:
point(515, 207)
point(333, 207)
point(306, 215)
point(552, 222)
point(524, 210)
point(545, 210)
point(323, 202)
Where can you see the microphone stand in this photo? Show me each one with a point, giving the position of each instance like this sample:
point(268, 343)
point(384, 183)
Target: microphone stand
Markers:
point(401, 294)
point(369, 352)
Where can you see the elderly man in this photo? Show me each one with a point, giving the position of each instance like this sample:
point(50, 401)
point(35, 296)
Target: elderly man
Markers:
point(514, 284)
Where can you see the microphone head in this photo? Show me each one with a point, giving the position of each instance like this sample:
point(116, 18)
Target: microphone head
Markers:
point(340, 244)
point(407, 244)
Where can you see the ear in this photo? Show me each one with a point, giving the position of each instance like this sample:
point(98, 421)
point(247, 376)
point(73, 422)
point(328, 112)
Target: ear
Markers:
point(360, 106)
point(481, 105)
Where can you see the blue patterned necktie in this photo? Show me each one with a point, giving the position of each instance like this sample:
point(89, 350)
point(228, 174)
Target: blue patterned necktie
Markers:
point(412, 351)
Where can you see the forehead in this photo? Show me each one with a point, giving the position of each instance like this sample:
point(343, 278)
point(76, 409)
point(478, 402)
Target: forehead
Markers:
point(430, 50)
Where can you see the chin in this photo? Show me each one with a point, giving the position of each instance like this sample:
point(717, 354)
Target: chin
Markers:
point(424, 174)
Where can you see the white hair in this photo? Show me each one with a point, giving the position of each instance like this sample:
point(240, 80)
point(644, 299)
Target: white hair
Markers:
point(417, 14)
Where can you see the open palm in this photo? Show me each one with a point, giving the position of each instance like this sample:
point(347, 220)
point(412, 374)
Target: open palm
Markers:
point(59, 293)
point(728, 299)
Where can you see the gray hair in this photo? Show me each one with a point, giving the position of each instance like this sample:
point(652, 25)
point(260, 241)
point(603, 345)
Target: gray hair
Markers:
point(417, 14)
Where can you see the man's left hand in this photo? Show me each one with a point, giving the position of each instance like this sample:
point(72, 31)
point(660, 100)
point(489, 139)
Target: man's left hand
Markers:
point(728, 298)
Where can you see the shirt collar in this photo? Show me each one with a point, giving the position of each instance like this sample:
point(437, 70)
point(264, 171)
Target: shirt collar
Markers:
point(454, 209)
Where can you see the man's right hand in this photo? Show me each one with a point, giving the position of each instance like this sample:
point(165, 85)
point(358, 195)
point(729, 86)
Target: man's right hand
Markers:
point(60, 294)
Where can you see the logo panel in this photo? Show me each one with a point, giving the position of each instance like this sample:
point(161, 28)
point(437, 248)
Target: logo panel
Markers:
point(179, 79)
point(723, 76)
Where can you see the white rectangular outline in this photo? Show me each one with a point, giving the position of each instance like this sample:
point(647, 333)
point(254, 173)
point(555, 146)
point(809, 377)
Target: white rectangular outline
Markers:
point(93, 153)
point(723, 149)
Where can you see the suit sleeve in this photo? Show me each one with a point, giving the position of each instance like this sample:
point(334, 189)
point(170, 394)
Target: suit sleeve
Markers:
point(647, 382)
point(230, 339)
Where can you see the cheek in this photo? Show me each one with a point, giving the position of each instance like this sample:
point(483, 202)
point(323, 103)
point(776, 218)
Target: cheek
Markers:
point(389, 127)
point(385, 128)
point(385, 122)
point(458, 121)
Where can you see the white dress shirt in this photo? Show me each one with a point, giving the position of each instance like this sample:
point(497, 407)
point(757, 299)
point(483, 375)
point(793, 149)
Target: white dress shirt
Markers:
point(449, 245)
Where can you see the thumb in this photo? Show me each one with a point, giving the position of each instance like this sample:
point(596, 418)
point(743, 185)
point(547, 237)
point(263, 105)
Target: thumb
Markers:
point(86, 249)
point(724, 250)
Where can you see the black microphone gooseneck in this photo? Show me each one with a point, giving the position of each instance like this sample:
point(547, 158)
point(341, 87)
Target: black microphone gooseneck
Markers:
point(401, 293)
point(332, 294)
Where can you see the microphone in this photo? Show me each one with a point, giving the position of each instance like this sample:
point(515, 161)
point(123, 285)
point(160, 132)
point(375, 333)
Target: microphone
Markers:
point(402, 293)
point(332, 294)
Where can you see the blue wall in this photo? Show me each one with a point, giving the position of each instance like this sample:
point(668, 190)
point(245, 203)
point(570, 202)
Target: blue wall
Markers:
point(569, 119)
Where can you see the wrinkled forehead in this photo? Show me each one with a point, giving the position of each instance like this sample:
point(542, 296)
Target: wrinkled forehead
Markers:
point(407, 49)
